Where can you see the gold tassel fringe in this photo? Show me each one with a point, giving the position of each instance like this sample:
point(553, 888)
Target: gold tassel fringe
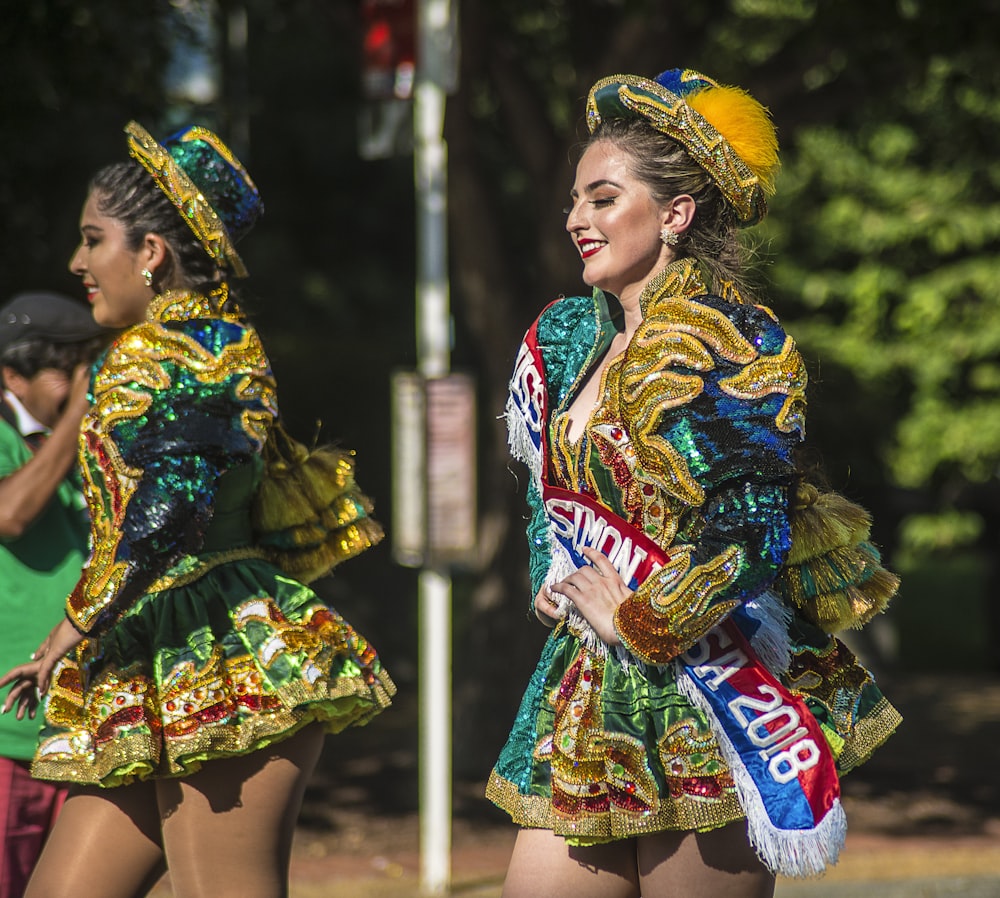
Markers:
point(308, 514)
point(833, 574)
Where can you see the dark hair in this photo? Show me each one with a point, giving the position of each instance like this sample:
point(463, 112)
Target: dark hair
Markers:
point(126, 192)
point(667, 170)
point(28, 357)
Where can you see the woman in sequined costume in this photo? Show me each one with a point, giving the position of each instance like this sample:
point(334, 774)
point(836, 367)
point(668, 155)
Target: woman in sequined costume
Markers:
point(189, 686)
point(659, 418)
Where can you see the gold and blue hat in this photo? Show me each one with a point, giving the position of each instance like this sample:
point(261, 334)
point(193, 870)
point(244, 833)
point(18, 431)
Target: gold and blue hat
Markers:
point(209, 186)
point(724, 129)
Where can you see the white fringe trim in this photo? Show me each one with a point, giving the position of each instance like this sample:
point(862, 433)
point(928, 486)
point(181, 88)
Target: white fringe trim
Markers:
point(788, 852)
point(519, 440)
point(770, 643)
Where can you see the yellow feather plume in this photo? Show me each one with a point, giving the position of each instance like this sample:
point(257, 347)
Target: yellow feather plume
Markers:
point(745, 124)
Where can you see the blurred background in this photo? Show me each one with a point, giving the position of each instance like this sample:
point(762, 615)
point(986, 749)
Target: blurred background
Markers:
point(881, 255)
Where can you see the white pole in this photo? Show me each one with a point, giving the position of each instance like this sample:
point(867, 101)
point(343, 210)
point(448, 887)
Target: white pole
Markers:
point(433, 360)
point(435, 732)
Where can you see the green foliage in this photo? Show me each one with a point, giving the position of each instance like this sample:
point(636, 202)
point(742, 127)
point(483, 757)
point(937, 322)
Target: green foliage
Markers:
point(886, 234)
point(926, 534)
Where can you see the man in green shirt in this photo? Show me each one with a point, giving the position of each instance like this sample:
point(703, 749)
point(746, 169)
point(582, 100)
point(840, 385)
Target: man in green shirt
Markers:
point(46, 344)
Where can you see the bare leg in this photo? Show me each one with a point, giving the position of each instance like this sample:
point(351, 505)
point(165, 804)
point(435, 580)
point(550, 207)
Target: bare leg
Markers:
point(105, 844)
point(545, 864)
point(715, 864)
point(227, 829)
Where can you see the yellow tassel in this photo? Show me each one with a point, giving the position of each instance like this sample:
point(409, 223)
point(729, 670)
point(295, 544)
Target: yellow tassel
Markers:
point(346, 510)
point(854, 606)
point(280, 504)
point(310, 564)
point(746, 125)
point(823, 521)
point(324, 476)
point(308, 513)
point(833, 575)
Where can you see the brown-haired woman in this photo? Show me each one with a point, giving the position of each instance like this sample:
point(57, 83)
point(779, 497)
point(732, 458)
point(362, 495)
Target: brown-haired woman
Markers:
point(188, 688)
point(685, 727)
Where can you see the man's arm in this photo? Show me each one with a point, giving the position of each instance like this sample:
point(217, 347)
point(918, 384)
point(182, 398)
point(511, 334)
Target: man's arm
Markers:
point(26, 492)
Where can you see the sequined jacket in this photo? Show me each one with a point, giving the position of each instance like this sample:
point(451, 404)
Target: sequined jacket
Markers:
point(691, 443)
point(181, 406)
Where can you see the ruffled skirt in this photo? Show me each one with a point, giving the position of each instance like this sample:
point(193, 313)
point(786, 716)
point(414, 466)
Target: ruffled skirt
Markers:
point(212, 667)
point(603, 750)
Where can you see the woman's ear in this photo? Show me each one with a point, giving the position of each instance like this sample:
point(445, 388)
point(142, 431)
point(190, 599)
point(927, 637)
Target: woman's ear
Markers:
point(153, 254)
point(679, 213)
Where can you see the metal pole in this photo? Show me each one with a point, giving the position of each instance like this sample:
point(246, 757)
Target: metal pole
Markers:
point(433, 360)
point(435, 732)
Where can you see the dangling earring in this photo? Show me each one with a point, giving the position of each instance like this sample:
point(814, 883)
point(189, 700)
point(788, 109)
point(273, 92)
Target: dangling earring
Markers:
point(669, 237)
point(147, 276)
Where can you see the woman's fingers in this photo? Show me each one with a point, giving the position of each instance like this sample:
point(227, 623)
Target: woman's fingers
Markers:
point(15, 673)
point(600, 562)
point(21, 693)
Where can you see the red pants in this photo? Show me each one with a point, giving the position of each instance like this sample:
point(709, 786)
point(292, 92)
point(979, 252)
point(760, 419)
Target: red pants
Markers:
point(28, 808)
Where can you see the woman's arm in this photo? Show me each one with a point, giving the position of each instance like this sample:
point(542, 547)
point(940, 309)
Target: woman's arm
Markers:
point(723, 453)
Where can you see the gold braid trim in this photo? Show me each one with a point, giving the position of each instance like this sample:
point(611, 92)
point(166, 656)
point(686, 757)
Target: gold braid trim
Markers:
point(184, 193)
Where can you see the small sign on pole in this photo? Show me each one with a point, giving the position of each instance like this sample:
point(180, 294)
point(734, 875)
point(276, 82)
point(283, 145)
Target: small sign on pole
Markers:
point(451, 468)
point(434, 469)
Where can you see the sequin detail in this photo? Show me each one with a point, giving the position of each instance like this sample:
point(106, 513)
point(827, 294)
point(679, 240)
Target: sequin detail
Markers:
point(177, 399)
point(669, 113)
point(205, 698)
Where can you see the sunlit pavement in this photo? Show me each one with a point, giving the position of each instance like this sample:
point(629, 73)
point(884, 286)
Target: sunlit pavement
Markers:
point(924, 813)
point(871, 867)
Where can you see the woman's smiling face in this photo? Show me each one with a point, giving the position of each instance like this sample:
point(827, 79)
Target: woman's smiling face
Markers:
point(111, 272)
point(615, 223)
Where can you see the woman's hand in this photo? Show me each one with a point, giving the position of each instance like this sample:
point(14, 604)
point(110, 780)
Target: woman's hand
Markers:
point(547, 608)
point(31, 681)
point(596, 590)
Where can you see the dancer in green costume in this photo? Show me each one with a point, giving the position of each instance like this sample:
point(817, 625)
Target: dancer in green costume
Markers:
point(659, 418)
point(188, 688)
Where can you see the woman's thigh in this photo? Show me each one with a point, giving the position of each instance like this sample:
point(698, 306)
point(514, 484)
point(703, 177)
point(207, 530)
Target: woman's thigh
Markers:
point(717, 864)
point(227, 829)
point(105, 844)
point(546, 864)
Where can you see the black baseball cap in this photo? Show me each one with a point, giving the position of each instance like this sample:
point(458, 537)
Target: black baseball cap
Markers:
point(46, 316)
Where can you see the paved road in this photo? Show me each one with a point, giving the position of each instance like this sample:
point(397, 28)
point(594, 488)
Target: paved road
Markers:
point(871, 867)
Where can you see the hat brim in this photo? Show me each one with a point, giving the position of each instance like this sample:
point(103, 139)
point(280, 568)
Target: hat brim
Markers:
point(185, 195)
point(634, 97)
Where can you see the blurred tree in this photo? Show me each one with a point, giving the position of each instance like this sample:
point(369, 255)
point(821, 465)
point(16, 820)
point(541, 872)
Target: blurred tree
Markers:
point(72, 75)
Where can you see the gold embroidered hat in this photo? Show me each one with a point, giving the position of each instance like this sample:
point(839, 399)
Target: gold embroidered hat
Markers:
point(726, 131)
point(207, 183)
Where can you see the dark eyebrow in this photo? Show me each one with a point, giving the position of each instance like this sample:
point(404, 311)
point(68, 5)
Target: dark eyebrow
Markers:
point(593, 185)
point(91, 228)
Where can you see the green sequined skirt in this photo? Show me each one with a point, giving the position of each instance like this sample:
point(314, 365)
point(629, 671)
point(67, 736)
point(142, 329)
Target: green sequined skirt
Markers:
point(602, 750)
point(220, 663)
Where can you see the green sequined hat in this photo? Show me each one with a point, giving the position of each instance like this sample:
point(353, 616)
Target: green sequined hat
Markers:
point(725, 130)
point(207, 183)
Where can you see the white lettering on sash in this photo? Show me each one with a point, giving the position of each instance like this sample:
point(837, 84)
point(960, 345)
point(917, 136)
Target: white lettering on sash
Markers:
point(769, 723)
point(527, 388)
point(583, 526)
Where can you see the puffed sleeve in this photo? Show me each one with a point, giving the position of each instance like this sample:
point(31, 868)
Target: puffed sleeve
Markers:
point(175, 406)
point(717, 393)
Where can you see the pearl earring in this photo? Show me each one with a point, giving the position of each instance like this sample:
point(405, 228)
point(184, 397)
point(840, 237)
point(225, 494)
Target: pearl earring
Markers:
point(147, 276)
point(669, 237)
